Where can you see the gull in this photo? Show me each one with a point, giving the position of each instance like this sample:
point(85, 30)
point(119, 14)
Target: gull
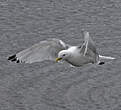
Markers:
point(57, 50)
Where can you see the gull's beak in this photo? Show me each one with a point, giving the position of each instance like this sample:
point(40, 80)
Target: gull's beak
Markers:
point(58, 59)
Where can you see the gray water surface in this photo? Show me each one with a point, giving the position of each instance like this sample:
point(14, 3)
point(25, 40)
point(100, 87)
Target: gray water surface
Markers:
point(54, 86)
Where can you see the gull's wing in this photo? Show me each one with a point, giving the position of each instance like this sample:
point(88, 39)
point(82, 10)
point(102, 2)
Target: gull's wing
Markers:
point(88, 47)
point(44, 50)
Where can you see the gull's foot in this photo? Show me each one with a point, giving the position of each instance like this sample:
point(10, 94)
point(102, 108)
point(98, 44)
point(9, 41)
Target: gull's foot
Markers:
point(101, 63)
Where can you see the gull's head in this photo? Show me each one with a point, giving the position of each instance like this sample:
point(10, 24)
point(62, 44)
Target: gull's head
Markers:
point(63, 55)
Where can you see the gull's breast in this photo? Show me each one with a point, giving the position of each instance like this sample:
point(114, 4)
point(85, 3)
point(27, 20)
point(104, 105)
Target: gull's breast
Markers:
point(80, 60)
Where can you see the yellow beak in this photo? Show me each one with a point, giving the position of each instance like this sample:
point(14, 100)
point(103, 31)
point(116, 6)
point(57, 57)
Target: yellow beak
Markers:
point(58, 59)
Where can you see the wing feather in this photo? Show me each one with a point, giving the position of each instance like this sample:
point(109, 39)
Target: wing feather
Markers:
point(88, 47)
point(44, 50)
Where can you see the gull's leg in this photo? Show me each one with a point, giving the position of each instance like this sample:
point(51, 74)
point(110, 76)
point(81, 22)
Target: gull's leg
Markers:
point(100, 62)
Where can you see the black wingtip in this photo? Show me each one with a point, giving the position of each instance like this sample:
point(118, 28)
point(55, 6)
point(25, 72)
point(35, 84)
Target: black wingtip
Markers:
point(17, 61)
point(101, 63)
point(13, 58)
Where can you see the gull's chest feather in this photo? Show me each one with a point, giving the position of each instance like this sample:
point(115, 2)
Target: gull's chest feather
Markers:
point(77, 59)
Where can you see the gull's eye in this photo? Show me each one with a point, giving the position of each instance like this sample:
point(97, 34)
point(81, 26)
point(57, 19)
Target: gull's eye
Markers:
point(64, 54)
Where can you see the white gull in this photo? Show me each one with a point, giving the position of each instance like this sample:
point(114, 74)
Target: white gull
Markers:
point(52, 49)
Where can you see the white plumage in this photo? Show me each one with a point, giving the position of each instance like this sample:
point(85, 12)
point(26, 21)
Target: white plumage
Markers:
point(52, 49)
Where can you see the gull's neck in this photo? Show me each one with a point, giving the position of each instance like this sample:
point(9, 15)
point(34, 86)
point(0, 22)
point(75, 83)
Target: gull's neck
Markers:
point(72, 49)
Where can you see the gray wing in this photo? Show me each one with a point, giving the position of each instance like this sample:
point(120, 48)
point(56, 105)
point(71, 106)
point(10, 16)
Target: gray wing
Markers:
point(88, 47)
point(44, 50)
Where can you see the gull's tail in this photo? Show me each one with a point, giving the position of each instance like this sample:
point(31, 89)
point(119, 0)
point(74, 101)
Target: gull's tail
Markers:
point(103, 58)
point(106, 57)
